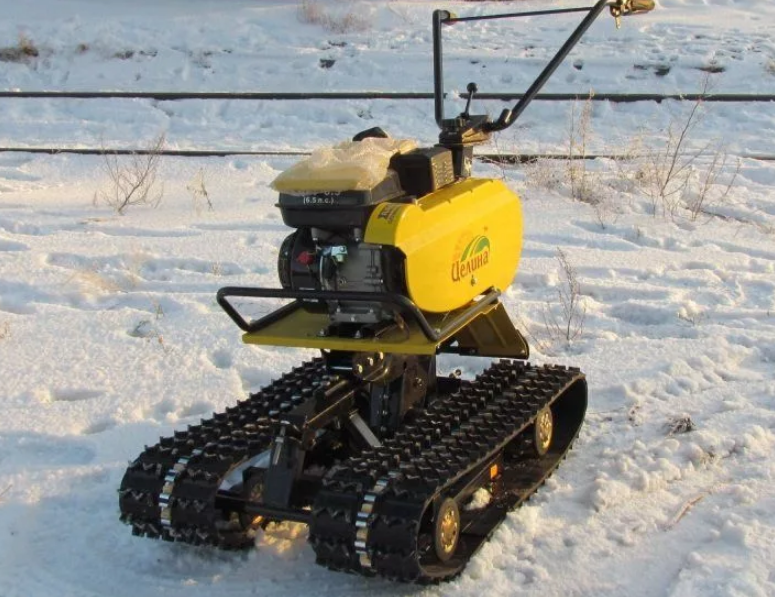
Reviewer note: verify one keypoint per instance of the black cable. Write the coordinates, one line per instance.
(381, 95)
(502, 158)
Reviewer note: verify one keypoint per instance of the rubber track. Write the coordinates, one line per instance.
(453, 436)
(209, 451)
(439, 446)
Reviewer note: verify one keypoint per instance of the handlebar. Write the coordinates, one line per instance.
(618, 9)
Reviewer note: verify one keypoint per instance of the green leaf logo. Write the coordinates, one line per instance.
(475, 255)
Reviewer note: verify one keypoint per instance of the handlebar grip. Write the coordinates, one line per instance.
(641, 6)
(623, 8)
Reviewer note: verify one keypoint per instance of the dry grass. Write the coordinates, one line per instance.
(340, 17)
(583, 184)
(714, 183)
(146, 329)
(564, 318)
(132, 179)
(680, 424)
(544, 174)
(587, 181)
(684, 510)
(682, 176)
(24, 52)
(199, 194)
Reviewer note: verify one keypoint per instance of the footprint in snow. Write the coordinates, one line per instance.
(249, 240)
(75, 395)
(15, 175)
(98, 427)
(197, 409)
(34, 449)
(14, 161)
(7, 245)
(254, 378)
(143, 233)
(643, 314)
(221, 358)
(164, 408)
(17, 306)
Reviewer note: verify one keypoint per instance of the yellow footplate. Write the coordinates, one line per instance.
(490, 333)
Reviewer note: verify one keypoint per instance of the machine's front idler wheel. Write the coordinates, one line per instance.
(543, 431)
(446, 530)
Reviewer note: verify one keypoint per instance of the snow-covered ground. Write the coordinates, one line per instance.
(110, 335)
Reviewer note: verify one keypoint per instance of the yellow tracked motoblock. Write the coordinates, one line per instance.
(396, 255)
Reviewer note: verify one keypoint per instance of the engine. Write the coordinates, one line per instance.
(412, 233)
(318, 259)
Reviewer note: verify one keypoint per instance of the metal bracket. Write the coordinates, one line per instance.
(400, 304)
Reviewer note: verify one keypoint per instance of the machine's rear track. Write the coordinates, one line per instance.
(373, 512)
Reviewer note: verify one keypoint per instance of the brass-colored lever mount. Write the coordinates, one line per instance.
(623, 8)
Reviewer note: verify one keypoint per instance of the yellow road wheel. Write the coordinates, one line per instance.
(446, 531)
(544, 431)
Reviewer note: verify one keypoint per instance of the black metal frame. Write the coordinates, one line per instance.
(233, 503)
(401, 304)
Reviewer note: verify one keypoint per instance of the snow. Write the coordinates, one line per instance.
(110, 335)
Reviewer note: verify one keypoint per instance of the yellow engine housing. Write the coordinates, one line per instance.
(458, 241)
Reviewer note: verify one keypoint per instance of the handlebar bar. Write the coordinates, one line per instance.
(618, 8)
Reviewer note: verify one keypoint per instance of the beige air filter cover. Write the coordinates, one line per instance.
(348, 166)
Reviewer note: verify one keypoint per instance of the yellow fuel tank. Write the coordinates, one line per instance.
(458, 241)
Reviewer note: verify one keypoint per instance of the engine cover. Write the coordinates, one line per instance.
(457, 241)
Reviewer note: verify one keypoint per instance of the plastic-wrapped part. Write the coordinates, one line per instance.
(348, 166)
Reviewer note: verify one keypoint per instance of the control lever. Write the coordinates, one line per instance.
(471, 88)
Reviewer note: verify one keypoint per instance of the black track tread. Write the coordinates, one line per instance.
(441, 444)
(226, 439)
(455, 434)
